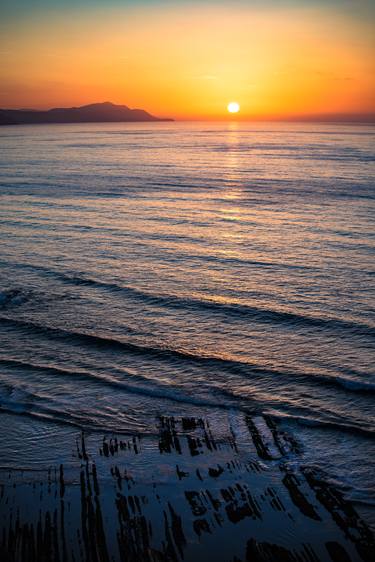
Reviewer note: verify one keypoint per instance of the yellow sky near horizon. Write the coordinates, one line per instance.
(190, 62)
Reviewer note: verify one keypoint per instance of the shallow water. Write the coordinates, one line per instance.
(163, 268)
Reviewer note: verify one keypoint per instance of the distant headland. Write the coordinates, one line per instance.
(93, 113)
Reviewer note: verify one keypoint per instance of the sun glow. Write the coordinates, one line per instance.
(233, 107)
(298, 60)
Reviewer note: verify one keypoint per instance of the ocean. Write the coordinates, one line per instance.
(178, 268)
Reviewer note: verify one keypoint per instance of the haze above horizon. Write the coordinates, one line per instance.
(189, 60)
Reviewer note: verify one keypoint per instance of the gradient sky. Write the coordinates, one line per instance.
(188, 59)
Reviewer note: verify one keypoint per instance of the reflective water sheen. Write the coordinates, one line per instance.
(162, 268)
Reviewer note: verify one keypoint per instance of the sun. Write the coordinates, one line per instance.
(233, 107)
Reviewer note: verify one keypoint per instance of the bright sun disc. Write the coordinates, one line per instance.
(233, 107)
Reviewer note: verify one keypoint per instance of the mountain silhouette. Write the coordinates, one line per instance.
(93, 113)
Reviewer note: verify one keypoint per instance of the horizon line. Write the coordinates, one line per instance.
(339, 117)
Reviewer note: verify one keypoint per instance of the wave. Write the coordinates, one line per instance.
(255, 314)
(157, 390)
(324, 424)
(355, 385)
(176, 355)
(259, 315)
(46, 415)
(99, 341)
(21, 402)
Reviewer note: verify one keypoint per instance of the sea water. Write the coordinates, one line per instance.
(170, 268)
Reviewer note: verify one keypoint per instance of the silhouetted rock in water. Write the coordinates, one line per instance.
(268, 552)
(337, 552)
(93, 113)
(174, 497)
(291, 482)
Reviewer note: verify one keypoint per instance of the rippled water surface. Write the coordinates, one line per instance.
(168, 267)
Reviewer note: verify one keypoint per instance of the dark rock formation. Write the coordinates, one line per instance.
(93, 113)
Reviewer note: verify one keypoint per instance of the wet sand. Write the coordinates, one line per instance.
(184, 493)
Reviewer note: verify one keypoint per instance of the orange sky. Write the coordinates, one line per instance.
(189, 59)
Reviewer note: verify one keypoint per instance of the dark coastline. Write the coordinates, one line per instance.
(94, 113)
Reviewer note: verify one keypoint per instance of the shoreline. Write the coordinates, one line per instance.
(184, 495)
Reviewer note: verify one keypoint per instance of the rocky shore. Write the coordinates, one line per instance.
(182, 494)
